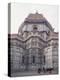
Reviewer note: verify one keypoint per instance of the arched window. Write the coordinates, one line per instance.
(44, 59)
(23, 59)
(35, 27)
(33, 59)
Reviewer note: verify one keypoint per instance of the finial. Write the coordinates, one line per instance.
(36, 11)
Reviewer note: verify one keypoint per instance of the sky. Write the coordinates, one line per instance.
(19, 11)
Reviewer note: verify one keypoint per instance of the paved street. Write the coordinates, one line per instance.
(29, 73)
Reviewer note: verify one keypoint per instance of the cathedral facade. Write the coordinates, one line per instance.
(34, 49)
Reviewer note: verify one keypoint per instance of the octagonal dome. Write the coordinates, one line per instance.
(34, 19)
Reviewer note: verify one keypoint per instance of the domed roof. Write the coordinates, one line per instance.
(35, 19)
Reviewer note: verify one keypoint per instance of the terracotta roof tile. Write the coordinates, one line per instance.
(37, 18)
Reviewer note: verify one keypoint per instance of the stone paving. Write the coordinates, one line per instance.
(33, 73)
